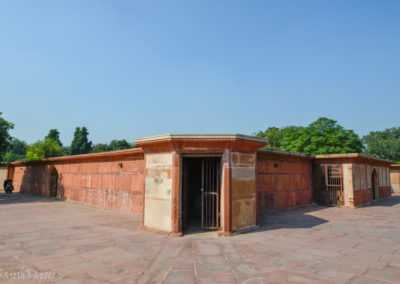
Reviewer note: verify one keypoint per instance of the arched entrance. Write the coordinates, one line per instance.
(53, 183)
(375, 185)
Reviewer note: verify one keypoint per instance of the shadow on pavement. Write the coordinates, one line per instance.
(386, 202)
(19, 197)
(294, 218)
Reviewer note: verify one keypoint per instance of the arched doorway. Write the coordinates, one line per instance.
(53, 183)
(375, 185)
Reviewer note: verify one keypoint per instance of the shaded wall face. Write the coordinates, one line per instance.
(158, 197)
(282, 182)
(362, 182)
(3, 175)
(384, 182)
(114, 184)
(395, 180)
(243, 168)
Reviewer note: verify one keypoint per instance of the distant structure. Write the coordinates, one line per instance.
(220, 182)
(395, 178)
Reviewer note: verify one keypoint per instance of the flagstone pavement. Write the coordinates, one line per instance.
(43, 240)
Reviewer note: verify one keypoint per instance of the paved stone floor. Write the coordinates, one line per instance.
(45, 240)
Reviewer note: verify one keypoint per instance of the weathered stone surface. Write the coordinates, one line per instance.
(158, 192)
(282, 181)
(113, 183)
(243, 190)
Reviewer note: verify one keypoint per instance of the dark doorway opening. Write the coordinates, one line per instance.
(328, 184)
(201, 179)
(53, 183)
(375, 185)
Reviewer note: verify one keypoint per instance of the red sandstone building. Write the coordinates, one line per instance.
(395, 178)
(215, 182)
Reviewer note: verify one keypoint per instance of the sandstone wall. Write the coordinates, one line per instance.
(115, 182)
(362, 182)
(243, 190)
(282, 181)
(3, 176)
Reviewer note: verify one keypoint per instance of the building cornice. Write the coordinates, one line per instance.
(200, 137)
(86, 157)
(351, 155)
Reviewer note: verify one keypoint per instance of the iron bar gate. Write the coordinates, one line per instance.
(210, 187)
(331, 190)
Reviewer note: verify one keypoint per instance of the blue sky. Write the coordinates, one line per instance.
(127, 69)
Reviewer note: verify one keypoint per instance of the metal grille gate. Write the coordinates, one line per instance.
(210, 188)
(332, 189)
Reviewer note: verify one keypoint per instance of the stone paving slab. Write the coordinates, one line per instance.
(43, 240)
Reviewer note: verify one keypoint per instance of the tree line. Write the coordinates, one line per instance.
(326, 136)
(13, 149)
(323, 136)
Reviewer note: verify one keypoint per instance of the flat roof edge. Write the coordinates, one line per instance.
(351, 155)
(296, 154)
(201, 137)
(88, 157)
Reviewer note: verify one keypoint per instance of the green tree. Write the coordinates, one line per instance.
(17, 146)
(46, 148)
(16, 150)
(81, 144)
(275, 135)
(5, 137)
(120, 145)
(12, 157)
(324, 136)
(383, 144)
(66, 150)
(113, 146)
(55, 135)
(100, 147)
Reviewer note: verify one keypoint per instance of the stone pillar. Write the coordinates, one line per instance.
(176, 195)
(158, 192)
(348, 185)
(226, 195)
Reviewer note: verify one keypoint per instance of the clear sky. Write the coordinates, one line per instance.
(127, 69)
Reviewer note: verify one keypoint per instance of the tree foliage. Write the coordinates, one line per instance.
(55, 135)
(100, 147)
(12, 157)
(5, 137)
(383, 144)
(46, 148)
(16, 150)
(113, 146)
(81, 144)
(324, 136)
(66, 150)
(275, 135)
(120, 145)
